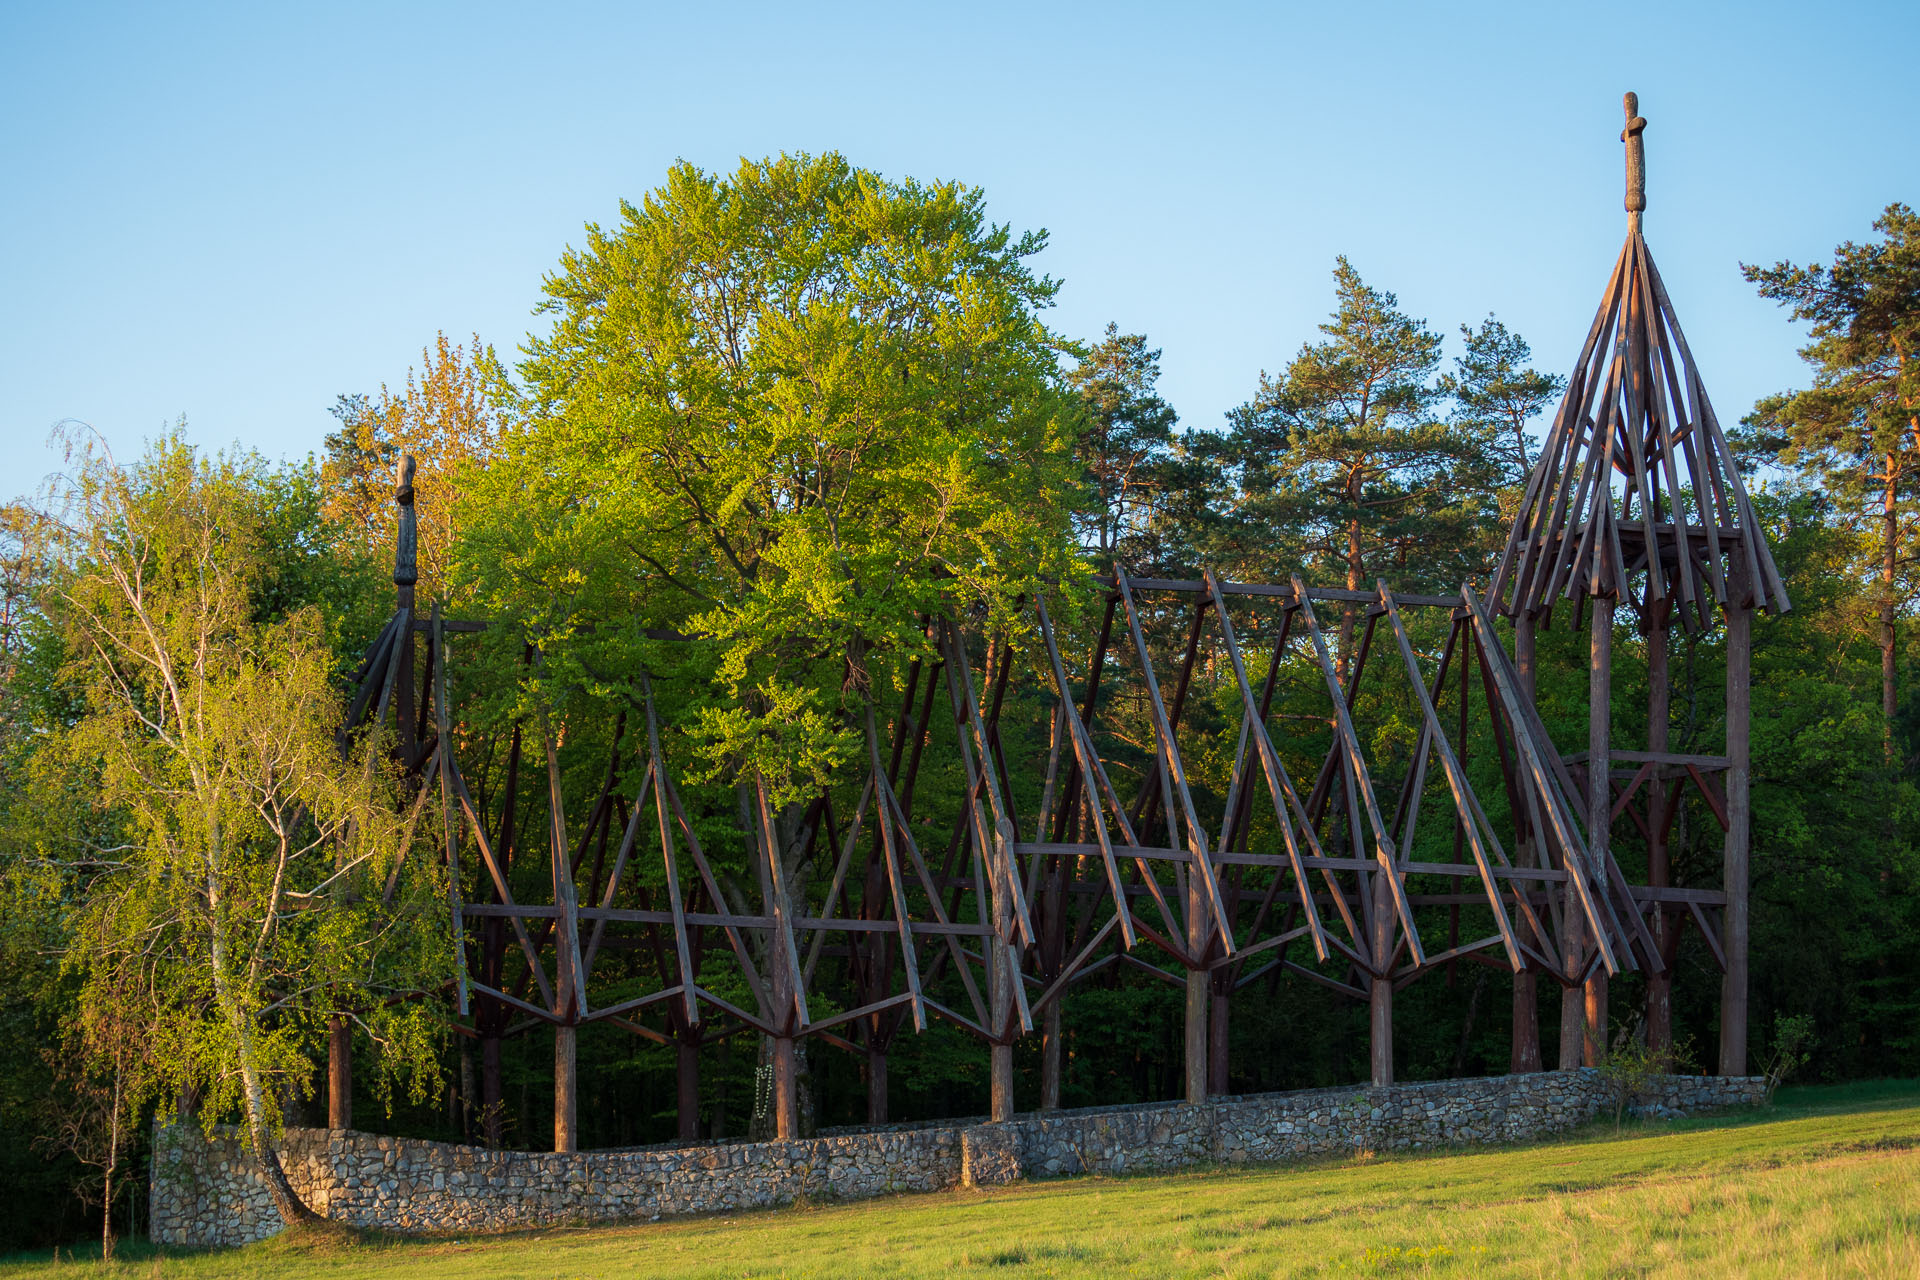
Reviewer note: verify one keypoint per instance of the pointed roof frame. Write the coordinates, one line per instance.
(1636, 408)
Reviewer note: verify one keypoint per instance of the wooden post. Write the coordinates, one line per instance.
(491, 1104)
(1002, 1082)
(1217, 1039)
(876, 1084)
(1000, 977)
(687, 1088)
(1599, 804)
(1380, 987)
(786, 1110)
(1199, 991)
(1526, 984)
(566, 1092)
(339, 1074)
(405, 573)
(1052, 1057)
(1733, 934)
(1659, 864)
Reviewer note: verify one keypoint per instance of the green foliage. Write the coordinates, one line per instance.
(1498, 395)
(1126, 448)
(792, 411)
(1793, 1039)
(208, 861)
(1346, 453)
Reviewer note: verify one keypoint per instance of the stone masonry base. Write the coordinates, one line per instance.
(207, 1191)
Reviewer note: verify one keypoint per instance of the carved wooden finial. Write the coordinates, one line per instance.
(1636, 159)
(405, 570)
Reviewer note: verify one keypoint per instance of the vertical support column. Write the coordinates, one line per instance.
(1052, 1056)
(1000, 979)
(1526, 984)
(1380, 987)
(1199, 989)
(339, 1074)
(405, 573)
(1659, 864)
(1599, 805)
(785, 1082)
(1733, 933)
(491, 1104)
(876, 1081)
(1217, 1036)
(566, 1092)
(786, 1096)
(687, 1088)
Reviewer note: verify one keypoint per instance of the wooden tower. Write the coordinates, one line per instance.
(1637, 501)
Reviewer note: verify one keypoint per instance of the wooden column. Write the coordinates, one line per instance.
(1199, 991)
(491, 1105)
(1217, 1039)
(1052, 1057)
(1380, 987)
(687, 1088)
(786, 1098)
(1002, 1082)
(1733, 935)
(339, 1074)
(1599, 805)
(1526, 984)
(566, 1092)
(876, 1084)
(1659, 865)
(405, 573)
(1000, 976)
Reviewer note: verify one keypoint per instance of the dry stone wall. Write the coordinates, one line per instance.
(206, 1191)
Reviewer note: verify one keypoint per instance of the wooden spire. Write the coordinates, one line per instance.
(1636, 496)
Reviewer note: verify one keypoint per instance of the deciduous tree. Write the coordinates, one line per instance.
(225, 815)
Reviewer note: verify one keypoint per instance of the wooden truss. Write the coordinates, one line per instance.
(1307, 863)
(1309, 855)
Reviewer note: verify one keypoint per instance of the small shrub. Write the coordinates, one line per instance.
(1793, 1036)
(1630, 1071)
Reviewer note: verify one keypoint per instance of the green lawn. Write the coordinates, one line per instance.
(1825, 1183)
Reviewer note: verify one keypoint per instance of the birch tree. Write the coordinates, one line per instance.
(233, 889)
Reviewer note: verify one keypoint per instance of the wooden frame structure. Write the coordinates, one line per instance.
(1304, 862)
(1638, 499)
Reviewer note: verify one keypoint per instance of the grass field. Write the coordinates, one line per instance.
(1826, 1183)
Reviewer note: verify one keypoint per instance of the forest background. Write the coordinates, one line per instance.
(1388, 447)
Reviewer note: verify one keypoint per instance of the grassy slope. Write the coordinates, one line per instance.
(1827, 1183)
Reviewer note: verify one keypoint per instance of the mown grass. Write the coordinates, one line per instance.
(1826, 1183)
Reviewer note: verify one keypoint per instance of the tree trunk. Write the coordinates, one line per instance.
(1356, 581)
(339, 1074)
(285, 1198)
(253, 1093)
(1889, 563)
(113, 1165)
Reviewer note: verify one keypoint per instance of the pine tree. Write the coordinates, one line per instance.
(1856, 430)
(1348, 449)
(1126, 446)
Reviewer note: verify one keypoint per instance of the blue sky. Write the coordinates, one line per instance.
(236, 213)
